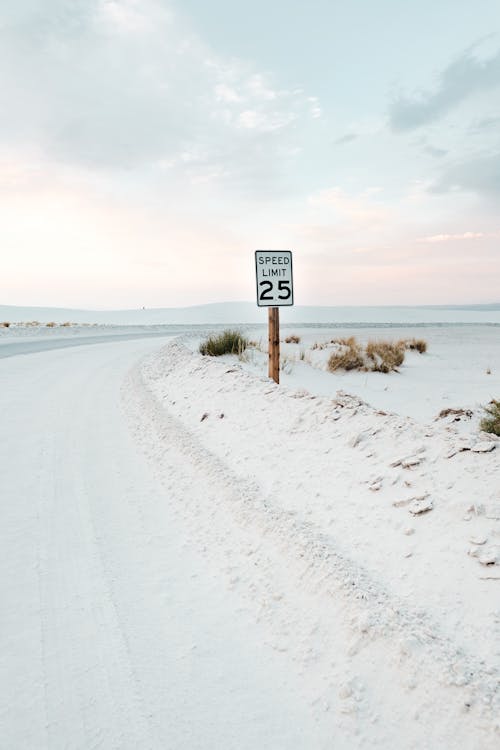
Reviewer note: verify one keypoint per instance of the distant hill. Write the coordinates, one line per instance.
(249, 313)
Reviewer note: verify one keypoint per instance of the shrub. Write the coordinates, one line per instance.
(385, 356)
(418, 345)
(227, 342)
(51, 324)
(6, 324)
(293, 339)
(491, 422)
(350, 357)
(350, 341)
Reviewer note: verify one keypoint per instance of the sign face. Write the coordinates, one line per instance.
(274, 278)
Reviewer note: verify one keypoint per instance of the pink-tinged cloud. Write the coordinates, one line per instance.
(463, 236)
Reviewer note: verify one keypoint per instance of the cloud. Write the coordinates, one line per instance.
(467, 75)
(438, 238)
(485, 124)
(480, 174)
(125, 84)
(347, 138)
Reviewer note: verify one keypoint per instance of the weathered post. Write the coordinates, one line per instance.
(274, 343)
(273, 270)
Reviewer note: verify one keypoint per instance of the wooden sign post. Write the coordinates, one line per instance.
(273, 270)
(274, 343)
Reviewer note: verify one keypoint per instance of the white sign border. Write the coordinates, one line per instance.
(275, 304)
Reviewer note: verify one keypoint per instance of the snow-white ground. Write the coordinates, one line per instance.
(198, 558)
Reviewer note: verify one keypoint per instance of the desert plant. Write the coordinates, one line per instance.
(348, 357)
(349, 341)
(227, 342)
(385, 356)
(419, 345)
(293, 339)
(491, 422)
(6, 324)
(51, 324)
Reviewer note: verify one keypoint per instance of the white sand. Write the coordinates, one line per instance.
(198, 558)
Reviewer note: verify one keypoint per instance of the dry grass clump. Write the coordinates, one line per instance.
(51, 324)
(376, 356)
(385, 356)
(349, 357)
(344, 341)
(491, 422)
(418, 345)
(5, 324)
(293, 339)
(227, 342)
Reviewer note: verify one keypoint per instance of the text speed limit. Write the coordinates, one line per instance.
(274, 278)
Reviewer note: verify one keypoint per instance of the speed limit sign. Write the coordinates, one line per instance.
(274, 278)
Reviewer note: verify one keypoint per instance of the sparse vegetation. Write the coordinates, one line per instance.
(227, 342)
(457, 414)
(6, 324)
(51, 324)
(491, 422)
(293, 339)
(376, 356)
(419, 345)
(385, 356)
(348, 357)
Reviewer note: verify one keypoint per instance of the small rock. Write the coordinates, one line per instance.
(490, 556)
(420, 505)
(408, 500)
(408, 463)
(409, 531)
(483, 447)
(204, 416)
(478, 540)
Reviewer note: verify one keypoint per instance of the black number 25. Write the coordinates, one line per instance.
(283, 286)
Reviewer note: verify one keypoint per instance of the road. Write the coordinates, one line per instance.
(114, 632)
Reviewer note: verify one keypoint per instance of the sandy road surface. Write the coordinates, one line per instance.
(114, 632)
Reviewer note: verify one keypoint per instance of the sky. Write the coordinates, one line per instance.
(148, 147)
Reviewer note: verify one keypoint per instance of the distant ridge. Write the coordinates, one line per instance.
(248, 313)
